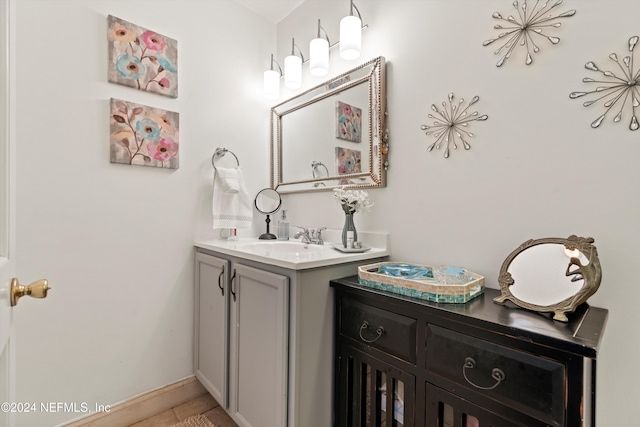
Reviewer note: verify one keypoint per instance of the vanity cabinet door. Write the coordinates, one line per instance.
(259, 307)
(212, 325)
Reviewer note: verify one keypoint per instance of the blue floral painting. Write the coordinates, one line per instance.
(142, 135)
(142, 59)
(348, 122)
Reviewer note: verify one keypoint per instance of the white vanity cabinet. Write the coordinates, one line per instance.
(267, 356)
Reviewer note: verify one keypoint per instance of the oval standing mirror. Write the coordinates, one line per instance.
(267, 202)
(551, 275)
(332, 134)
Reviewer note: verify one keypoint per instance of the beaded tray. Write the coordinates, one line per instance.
(423, 288)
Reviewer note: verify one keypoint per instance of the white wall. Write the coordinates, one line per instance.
(536, 168)
(116, 241)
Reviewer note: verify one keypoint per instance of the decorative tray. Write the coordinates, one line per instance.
(423, 282)
(339, 247)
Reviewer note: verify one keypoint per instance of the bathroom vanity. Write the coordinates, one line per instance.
(401, 361)
(263, 344)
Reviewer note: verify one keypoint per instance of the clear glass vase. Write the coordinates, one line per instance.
(348, 226)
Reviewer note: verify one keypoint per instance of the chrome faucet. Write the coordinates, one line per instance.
(310, 236)
(304, 233)
(316, 236)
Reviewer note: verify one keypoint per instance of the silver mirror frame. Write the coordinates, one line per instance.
(378, 134)
(591, 273)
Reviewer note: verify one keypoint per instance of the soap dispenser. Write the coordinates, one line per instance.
(283, 227)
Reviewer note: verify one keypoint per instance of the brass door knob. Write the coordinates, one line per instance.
(37, 289)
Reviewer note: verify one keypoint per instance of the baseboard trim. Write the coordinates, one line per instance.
(145, 405)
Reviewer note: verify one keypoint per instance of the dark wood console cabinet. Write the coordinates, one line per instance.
(403, 362)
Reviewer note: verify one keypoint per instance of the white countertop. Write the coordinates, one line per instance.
(296, 256)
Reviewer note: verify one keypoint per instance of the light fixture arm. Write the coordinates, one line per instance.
(353, 6)
(276, 62)
(294, 46)
(322, 30)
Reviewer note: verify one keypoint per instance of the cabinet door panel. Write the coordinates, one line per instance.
(260, 316)
(371, 393)
(211, 326)
(447, 410)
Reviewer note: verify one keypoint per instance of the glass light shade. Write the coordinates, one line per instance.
(293, 72)
(350, 37)
(319, 57)
(271, 84)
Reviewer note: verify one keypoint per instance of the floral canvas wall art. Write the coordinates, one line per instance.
(348, 122)
(337, 82)
(142, 59)
(348, 162)
(142, 135)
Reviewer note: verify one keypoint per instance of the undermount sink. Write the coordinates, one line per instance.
(275, 247)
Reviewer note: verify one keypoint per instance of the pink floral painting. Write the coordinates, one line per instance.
(142, 59)
(348, 122)
(142, 135)
(348, 162)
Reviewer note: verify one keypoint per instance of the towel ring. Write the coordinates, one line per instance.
(221, 152)
(314, 165)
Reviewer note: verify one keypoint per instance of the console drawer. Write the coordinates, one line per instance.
(529, 383)
(387, 331)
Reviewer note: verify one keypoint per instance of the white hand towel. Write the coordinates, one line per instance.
(231, 210)
(228, 179)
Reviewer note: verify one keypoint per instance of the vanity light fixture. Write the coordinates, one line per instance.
(351, 35)
(350, 46)
(319, 53)
(272, 81)
(293, 67)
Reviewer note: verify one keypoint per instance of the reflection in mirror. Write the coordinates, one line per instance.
(539, 275)
(551, 275)
(268, 202)
(338, 128)
(319, 170)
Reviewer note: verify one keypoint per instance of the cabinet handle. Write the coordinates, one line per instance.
(379, 331)
(233, 277)
(220, 280)
(496, 374)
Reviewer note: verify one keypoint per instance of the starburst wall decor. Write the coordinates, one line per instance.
(522, 28)
(448, 124)
(615, 88)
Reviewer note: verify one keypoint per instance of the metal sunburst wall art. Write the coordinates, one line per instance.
(524, 26)
(615, 88)
(448, 123)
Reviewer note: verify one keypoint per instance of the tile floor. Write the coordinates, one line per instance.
(204, 405)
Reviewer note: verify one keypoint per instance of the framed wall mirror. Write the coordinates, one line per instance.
(333, 134)
(551, 275)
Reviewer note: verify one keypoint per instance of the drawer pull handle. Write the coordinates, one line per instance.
(233, 277)
(379, 331)
(220, 280)
(496, 374)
